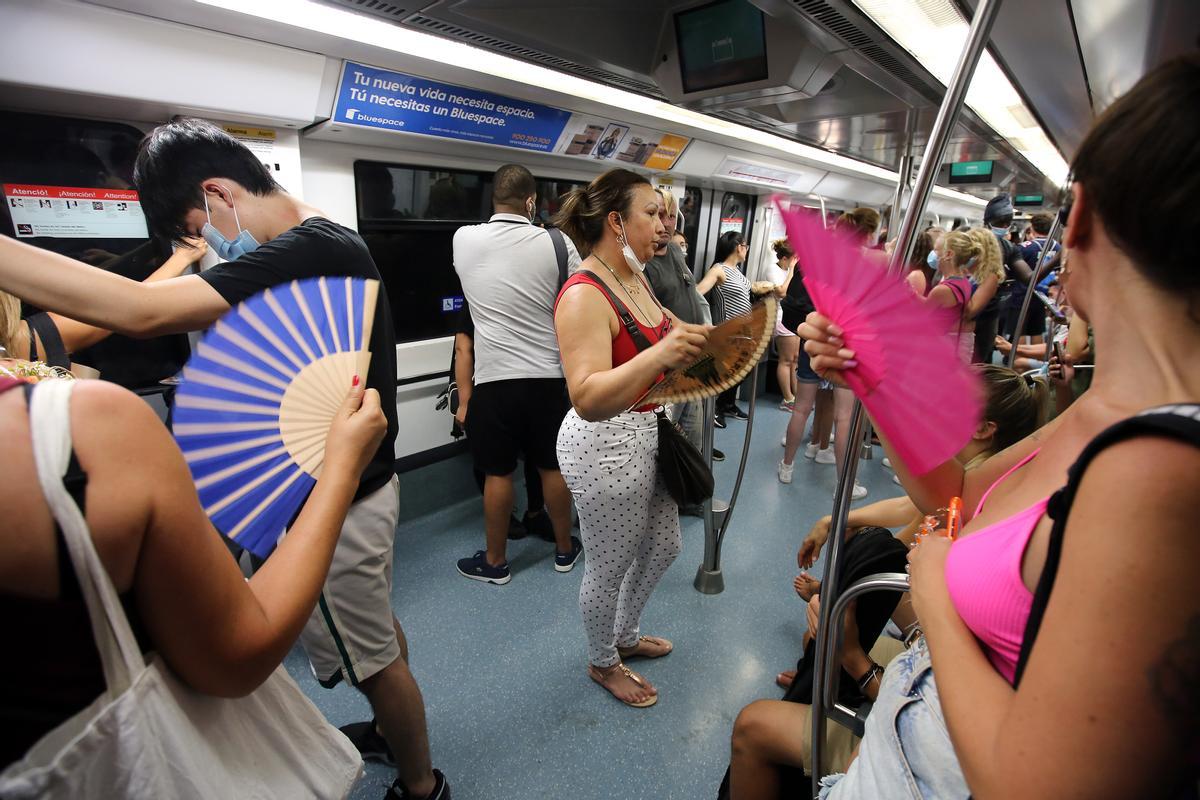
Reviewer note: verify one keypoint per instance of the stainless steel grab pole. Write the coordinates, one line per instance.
(737, 484)
(1043, 258)
(939, 138)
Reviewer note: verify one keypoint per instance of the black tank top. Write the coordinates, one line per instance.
(52, 668)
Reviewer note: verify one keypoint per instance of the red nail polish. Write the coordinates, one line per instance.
(355, 381)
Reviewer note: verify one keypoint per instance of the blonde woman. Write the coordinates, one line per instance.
(958, 254)
(34, 338)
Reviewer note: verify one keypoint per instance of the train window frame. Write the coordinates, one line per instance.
(429, 322)
(107, 146)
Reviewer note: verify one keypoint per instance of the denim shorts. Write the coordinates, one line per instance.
(905, 752)
(804, 370)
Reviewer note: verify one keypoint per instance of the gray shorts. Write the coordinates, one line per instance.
(350, 634)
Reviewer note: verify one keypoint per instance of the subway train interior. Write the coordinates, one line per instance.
(392, 120)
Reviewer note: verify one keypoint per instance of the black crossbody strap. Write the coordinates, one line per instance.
(1177, 422)
(627, 319)
(45, 329)
(560, 254)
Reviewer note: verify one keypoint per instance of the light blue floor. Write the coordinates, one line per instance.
(511, 710)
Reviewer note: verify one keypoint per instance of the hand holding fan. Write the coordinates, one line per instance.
(920, 394)
(733, 348)
(257, 398)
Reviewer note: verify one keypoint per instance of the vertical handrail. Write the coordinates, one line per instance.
(737, 484)
(935, 150)
(1043, 258)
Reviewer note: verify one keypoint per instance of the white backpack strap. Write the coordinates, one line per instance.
(50, 429)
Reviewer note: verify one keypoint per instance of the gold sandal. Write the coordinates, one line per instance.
(594, 671)
(632, 652)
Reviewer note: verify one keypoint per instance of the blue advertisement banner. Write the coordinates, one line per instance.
(378, 98)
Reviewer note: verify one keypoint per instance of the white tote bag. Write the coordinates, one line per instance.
(149, 735)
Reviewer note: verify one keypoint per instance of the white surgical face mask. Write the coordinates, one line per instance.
(630, 257)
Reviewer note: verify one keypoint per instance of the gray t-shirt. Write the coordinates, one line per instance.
(675, 287)
(509, 275)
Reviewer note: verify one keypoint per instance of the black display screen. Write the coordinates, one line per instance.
(721, 44)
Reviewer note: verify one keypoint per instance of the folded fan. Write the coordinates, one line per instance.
(253, 410)
(919, 393)
(733, 348)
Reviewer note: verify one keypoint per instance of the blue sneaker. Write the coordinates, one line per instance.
(565, 562)
(478, 569)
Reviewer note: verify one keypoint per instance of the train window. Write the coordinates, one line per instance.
(737, 212)
(68, 188)
(690, 208)
(407, 215)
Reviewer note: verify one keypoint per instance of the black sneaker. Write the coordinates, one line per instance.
(370, 743)
(719, 420)
(441, 789)
(538, 523)
(565, 562)
(736, 413)
(718, 455)
(478, 569)
(516, 530)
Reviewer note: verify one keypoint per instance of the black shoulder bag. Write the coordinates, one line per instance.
(688, 478)
(1176, 422)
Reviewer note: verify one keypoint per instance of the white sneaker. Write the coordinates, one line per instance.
(896, 480)
(859, 492)
(825, 456)
(785, 472)
(887, 462)
(810, 450)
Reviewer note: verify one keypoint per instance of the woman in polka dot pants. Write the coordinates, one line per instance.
(616, 340)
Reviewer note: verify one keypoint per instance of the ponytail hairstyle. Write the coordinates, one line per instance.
(963, 247)
(991, 261)
(582, 211)
(783, 248)
(1016, 404)
(727, 245)
(859, 223)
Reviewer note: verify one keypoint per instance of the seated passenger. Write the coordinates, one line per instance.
(187, 601)
(607, 448)
(51, 338)
(1011, 610)
(772, 739)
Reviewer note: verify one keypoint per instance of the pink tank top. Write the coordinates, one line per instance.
(983, 574)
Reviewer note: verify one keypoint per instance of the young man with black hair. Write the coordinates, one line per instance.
(998, 314)
(510, 276)
(195, 180)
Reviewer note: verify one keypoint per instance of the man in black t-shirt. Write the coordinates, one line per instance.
(194, 179)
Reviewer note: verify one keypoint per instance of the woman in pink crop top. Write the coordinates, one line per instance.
(608, 453)
(1106, 705)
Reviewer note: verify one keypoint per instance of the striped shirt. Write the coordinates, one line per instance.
(735, 292)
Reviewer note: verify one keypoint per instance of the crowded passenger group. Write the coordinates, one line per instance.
(1048, 650)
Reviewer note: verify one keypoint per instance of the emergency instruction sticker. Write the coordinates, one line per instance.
(72, 212)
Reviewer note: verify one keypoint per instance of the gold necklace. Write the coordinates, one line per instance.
(628, 293)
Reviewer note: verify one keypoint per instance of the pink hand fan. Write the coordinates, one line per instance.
(919, 393)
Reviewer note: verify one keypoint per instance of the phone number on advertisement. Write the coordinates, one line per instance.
(524, 137)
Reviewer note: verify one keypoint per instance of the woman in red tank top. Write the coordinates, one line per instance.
(608, 453)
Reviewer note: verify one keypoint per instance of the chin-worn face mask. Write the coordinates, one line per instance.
(630, 257)
(226, 249)
(999, 231)
(932, 260)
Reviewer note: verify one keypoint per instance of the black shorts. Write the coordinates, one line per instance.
(507, 419)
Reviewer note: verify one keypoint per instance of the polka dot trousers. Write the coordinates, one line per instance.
(628, 521)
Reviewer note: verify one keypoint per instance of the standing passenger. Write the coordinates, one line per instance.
(678, 291)
(509, 275)
(195, 179)
(734, 292)
(608, 453)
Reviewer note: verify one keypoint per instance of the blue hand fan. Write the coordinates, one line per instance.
(253, 410)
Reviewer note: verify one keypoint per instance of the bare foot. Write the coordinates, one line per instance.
(624, 684)
(785, 678)
(806, 586)
(647, 647)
